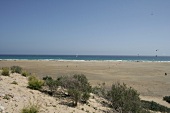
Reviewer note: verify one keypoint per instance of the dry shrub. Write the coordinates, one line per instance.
(124, 99)
(31, 108)
(16, 69)
(5, 71)
(35, 83)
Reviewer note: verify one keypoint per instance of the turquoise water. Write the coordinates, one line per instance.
(86, 57)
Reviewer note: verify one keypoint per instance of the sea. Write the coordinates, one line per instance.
(88, 58)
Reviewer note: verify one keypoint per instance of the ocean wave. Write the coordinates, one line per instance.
(82, 58)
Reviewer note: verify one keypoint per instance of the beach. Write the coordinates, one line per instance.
(148, 78)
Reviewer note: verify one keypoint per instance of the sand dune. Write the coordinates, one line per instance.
(14, 97)
(148, 78)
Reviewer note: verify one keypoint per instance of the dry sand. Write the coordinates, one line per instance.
(15, 97)
(148, 78)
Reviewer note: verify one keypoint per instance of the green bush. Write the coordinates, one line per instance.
(32, 108)
(85, 97)
(76, 95)
(47, 78)
(124, 99)
(25, 74)
(84, 84)
(5, 71)
(16, 69)
(167, 99)
(154, 106)
(35, 83)
(78, 87)
(52, 84)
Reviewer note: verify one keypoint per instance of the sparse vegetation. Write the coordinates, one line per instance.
(7, 97)
(35, 83)
(14, 82)
(84, 84)
(5, 71)
(85, 97)
(47, 78)
(52, 84)
(25, 74)
(75, 94)
(120, 97)
(78, 87)
(16, 69)
(124, 99)
(154, 106)
(167, 99)
(31, 108)
(100, 90)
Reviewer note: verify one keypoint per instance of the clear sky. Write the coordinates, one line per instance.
(88, 27)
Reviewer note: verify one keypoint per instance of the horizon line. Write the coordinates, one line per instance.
(82, 55)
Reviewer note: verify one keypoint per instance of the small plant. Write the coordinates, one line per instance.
(16, 69)
(7, 97)
(32, 108)
(5, 71)
(87, 111)
(35, 83)
(25, 74)
(14, 82)
(167, 99)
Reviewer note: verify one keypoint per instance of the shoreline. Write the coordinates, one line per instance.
(62, 60)
(83, 58)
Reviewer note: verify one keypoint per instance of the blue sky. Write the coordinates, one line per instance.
(88, 27)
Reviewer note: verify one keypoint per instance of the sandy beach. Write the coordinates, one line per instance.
(148, 78)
